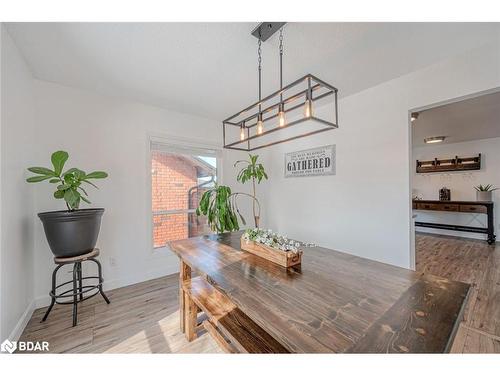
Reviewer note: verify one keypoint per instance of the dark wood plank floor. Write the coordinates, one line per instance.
(474, 262)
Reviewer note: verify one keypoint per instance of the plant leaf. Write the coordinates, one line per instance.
(77, 204)
(216, 205)
(85, 199)
(59, 194)
(38, 178)
(84, 192)
(90, 183)
(58, 159)
(96, 174)
(54, 181)
(79, 174)
(41, 170)
(63, 187)
(69, 171)
(72, 198)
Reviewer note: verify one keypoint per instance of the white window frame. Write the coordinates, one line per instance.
(173, 142)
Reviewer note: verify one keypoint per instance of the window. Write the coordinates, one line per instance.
(179, 177)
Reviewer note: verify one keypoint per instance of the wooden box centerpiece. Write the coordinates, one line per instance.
(270, 246)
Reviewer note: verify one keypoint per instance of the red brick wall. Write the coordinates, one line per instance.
(172, 177)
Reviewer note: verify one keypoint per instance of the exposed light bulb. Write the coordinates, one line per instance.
(260, 125)
(308, 108)
(281, 117)
(242, 132)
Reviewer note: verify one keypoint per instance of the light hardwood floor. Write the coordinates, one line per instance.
(474, 262)
(143, 318)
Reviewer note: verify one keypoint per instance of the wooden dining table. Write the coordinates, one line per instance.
(333, 302)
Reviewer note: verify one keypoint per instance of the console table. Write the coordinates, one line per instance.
(462, 207)
(331, 302)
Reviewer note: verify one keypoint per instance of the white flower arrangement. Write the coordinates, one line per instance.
(274, 240)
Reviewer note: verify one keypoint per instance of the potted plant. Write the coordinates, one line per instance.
(73, 231)
(252, 171)
(216, 205)
(484, 192)
(220, 205)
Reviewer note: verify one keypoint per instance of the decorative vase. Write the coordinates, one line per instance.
(484, 196)
(72, 233)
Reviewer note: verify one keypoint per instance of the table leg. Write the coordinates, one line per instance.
(191, 318)
(184, 274)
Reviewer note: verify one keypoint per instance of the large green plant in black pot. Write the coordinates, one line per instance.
(73, 231)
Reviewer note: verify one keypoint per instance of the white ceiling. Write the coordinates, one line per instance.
(467, 120)
(209, 69)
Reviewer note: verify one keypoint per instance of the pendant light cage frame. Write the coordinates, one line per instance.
(290, 98)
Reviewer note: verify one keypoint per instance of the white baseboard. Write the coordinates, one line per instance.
(44, 301)
(23, 321)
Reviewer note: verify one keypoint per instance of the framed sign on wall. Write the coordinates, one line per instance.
(319, 161)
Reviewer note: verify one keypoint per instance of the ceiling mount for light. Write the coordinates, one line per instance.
(295, 102)
(265, 30)
(439, 139)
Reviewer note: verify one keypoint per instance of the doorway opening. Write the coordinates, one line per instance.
(454, 174)
(455, 151)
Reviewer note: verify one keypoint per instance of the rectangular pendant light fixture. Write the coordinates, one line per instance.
(305, 107)
(309, 103)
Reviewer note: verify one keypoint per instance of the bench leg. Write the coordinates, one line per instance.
(184, 274)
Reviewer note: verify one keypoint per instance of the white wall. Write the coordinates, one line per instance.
(104, 133)
(461, 184)
(17, 198)
(365, 208)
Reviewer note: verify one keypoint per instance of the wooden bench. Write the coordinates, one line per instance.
(233, 331)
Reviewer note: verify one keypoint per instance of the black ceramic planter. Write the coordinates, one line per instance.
(72, 233)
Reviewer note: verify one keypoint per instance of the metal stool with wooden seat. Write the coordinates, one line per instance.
(78, 291)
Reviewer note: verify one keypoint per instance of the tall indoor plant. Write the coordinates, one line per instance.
(73, 231)
(220, 204)
(252, 171)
